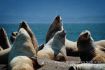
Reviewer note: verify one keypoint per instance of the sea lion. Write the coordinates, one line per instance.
(100, 45)
(87, 50)
(4, 41)
(5, 46)
(55, 46)
(23, 49)
(57, 25)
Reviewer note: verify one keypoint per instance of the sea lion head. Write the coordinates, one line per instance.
(4, 41)
(57, 25)
(85, 41)
(25, 25)
(13, 36)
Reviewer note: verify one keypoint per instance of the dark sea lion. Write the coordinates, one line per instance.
(5, 46)
(55, 46)
(4, 41)
(23, 49)
(87, 50)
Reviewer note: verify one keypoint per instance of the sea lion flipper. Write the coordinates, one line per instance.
(63, 52)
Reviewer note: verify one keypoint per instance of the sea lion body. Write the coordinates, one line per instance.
(87, 50)
(22, 51)
(54, 47)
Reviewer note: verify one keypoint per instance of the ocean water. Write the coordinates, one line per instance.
(72, 30)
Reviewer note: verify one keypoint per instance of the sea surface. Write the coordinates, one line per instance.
(72, 30)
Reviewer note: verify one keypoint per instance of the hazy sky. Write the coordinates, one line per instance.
(44, 11)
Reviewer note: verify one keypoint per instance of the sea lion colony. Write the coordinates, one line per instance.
(24, 53)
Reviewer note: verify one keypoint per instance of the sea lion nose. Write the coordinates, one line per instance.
(58, 18)
(2, 31)
(22, 24)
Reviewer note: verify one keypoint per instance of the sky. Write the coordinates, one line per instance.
(44, 11)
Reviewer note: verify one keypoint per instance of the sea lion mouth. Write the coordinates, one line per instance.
(22, 25)
(58, 18)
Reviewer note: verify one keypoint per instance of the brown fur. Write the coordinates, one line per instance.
(4, 46)
(4, 41)
(54, 27)
(87, 50)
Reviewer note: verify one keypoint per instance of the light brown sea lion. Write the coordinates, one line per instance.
(4, 41)
(23, 49)
(55, 46)
(27, 28)
(100, 45)
(87, 50)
